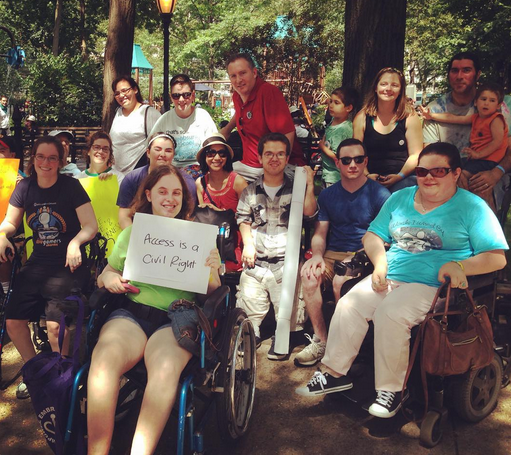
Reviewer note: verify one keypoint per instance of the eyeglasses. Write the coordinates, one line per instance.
(123, 91)
(185, 95)
(98, 148)
(346, 160)
(437, 172)
(213, 153)
(50, 159)
(271, 156)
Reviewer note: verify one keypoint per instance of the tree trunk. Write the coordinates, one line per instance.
(56, 28)
(375, 38)
(118, 52)
(83, 43)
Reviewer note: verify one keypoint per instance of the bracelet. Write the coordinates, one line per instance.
(501, 168)
(460, 264)
(401, 175)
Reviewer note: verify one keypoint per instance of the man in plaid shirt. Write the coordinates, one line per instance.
(263, 218)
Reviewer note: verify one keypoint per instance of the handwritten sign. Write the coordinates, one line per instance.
(8, 173)
(170, 253)
(103, 196)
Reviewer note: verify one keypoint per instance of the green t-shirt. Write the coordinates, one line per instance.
(334, 135)
(150, 294)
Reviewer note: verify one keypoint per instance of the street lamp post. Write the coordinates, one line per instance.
(166, 8)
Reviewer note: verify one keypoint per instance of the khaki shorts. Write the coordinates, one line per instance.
(330, 257)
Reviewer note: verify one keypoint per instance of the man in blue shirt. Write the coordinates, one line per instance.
(345, 211)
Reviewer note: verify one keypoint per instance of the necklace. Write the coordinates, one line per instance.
(423, 209)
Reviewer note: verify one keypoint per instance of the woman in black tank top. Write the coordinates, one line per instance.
(390, 130)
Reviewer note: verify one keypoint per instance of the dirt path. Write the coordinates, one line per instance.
(284, 423)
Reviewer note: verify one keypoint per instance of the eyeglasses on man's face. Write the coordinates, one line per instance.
(346, 160)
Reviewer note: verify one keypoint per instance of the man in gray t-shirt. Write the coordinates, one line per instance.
(463, 72)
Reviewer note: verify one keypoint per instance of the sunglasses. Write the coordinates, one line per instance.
(346, 160)
(185, 95)
(437, 172)
(213, 153)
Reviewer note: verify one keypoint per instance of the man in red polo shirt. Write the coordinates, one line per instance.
(260, 108)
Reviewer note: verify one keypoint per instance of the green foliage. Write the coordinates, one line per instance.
(66, 91)
(217, 113)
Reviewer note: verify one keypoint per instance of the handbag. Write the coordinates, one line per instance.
(207, 215)
(448, 351)
(187, 321)
(49, 377)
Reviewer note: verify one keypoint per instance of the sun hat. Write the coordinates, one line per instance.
(216, 138)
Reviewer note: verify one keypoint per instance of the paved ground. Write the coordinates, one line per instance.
(284, 423)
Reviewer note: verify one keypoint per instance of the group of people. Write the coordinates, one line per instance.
(380, 187)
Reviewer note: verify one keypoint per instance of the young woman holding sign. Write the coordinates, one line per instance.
(136, 331)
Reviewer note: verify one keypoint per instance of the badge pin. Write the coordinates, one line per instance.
(249, 115)
(402, 142)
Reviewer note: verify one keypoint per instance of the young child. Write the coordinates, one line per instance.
(488, 137)
(342, 103)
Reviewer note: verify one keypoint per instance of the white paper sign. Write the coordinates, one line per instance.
(169, 252)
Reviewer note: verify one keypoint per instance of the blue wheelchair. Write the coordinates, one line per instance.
(223, 376)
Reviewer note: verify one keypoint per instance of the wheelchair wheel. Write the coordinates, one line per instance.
(431, 429)
(128, 397)
(475, 397)
(237, 376)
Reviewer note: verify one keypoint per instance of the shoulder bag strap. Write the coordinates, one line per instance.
(205, 188)
(145, 121)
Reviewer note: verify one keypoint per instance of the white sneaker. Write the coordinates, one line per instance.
(312, 353)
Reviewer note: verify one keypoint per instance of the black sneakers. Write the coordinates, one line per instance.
(323, 383)
(387, 404)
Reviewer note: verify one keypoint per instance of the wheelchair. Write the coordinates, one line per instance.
(223, 375)
(473, 395)
(95, 261)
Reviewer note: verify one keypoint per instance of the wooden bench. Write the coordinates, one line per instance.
(80, 135)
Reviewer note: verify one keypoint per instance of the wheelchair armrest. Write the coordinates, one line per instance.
(479, 281)
(214, 301)
(98, 298)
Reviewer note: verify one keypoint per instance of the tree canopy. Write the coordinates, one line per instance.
(203, 32)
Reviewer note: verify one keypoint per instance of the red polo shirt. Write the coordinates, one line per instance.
(265, 111)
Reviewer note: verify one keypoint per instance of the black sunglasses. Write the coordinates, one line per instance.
(185, 95)
(213, 153)
(437, 172)
(346, 160)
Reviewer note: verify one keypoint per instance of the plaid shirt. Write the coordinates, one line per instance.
(268, 218)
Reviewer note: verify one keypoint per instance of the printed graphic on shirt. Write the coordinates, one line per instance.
(417, 239)
(47, 225)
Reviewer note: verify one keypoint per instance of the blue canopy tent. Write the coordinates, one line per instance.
(140, 65)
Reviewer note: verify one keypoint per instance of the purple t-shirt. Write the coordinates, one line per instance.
(133, 180)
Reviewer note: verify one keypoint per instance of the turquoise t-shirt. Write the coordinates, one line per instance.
(421, 243)
(150, 294)
(334, 135)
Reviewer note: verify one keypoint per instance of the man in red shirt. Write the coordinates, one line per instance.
(260, 108)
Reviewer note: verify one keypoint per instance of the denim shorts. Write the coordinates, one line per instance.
(148, 327)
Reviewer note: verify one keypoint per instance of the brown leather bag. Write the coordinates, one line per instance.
(449, 352)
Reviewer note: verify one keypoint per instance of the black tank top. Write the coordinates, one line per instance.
(387, 152)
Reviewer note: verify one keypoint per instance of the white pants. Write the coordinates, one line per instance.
(258, 288)
(394, 313)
